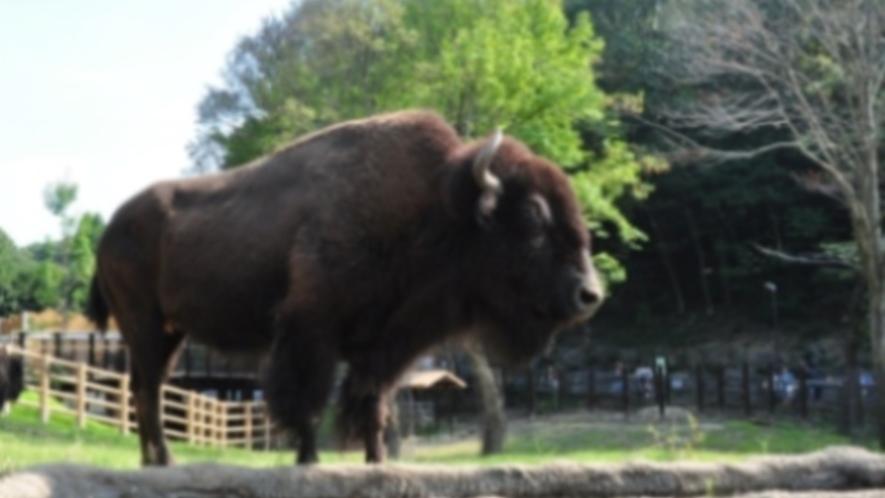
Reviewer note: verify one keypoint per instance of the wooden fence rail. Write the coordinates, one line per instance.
(91, 393)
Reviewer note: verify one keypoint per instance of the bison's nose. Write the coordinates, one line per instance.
(589, 293)
(587, 297)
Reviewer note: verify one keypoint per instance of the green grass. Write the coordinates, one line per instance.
(729, 441)
(24, 441)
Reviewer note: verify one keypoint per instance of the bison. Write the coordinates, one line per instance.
(12, 376)
(368, 243)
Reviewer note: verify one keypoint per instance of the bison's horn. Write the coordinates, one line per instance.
(487, 182)
(485, 179)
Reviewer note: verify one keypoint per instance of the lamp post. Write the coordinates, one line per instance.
(771, 287)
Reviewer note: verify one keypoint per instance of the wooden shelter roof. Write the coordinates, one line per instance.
(430, 379)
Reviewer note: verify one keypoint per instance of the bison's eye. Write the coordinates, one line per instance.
(538, 219)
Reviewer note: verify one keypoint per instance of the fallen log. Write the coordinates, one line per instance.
(844, 472)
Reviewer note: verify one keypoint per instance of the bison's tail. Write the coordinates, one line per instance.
(96, 306)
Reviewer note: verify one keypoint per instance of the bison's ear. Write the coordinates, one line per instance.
(489, 184)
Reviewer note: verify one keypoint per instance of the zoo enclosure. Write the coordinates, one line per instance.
(744, 389)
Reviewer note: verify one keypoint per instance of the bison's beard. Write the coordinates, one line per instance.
(516, 345)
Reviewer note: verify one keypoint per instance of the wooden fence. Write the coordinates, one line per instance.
(197, 367)
(91, 393)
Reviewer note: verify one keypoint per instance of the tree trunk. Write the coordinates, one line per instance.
(494, 425)
(877, 333)
(702, 262)
(392, 437)
(668, 265)
(851, 389)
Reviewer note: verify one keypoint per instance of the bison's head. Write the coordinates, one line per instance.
(530, 265)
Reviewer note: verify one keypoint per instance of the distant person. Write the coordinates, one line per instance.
(785, 385)
(645, 377)
(617, 385)
(865, 379)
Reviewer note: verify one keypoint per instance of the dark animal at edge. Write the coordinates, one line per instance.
(12, 377)
(368, 242)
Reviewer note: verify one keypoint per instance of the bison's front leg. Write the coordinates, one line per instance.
(299, 381)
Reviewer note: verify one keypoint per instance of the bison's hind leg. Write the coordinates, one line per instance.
(298, 383)
(151, 351)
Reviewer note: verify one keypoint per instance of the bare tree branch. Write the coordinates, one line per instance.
(820, 260)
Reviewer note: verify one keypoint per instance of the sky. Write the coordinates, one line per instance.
(103, 93)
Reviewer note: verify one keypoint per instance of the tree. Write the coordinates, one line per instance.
(808, 75)
(321, 62)
(58, 198)
(67, 272)
(494, 421)
(630, 31)
(84, 246)
(11, 260)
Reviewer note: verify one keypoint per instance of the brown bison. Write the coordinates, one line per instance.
(368, 243)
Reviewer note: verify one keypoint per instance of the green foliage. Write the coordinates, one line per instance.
(48, 284)
(82, 261)
(59, 196)
(10, 264)
(681, 440)
(631, 37)
(25, 284)
(66, 266)
(512, 64)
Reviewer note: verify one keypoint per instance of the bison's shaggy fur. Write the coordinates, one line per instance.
(366, 243)
(841, 472)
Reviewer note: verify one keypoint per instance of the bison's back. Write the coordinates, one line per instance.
(221, 252)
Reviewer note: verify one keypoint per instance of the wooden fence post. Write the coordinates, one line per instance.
(266, 428)
(211, 414)
(82, 379)
(190, 416)
(745, 388)
(200, 428)
(124, 404)
(247, 424)
(222, 419)
(720, 387)
(46, 363)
